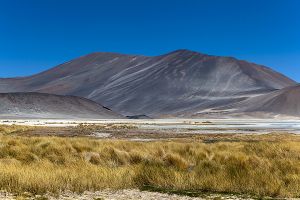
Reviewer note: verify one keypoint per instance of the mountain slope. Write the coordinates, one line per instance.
(179, 82)
(284, 102)
(38, 105)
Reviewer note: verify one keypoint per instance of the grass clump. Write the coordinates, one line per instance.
(53, 164)
(90, 128)
(14, 129)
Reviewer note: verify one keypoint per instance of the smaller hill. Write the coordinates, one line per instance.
(41, 105)
(285, 102)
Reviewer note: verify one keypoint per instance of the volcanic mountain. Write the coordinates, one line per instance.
(284, 102)
(38, 105)
(180, 83)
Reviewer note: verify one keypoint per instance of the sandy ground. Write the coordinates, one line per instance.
(121, 195)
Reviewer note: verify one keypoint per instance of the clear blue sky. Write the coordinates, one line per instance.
(38, 34)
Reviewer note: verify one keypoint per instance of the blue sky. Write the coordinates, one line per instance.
(38, 34)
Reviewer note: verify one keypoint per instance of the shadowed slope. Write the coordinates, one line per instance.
(38, 105)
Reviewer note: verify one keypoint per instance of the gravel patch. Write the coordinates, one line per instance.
(132, 194)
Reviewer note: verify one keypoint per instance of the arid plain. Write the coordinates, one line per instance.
(149, 159)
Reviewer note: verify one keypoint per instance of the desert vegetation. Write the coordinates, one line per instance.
(14, 129)
(85, 129)
(56, 164)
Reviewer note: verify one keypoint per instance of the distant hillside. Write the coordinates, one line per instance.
(37, 105)
(179, 83)
(284, 102)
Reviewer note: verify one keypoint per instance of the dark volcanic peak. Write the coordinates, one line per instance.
(38, 105)
(182, 81)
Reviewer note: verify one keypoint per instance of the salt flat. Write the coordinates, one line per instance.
(192, 125)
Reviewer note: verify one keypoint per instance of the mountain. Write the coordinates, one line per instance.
(179, 83)
(284, 102)
(38, 105)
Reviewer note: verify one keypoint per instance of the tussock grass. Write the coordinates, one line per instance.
(53, 164)
(14, 129)
(83, 128)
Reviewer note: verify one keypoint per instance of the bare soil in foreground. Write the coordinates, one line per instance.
(132, 194)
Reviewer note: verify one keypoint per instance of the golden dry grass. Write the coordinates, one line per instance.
(14, 129)
(53, 164)
(82, 128)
